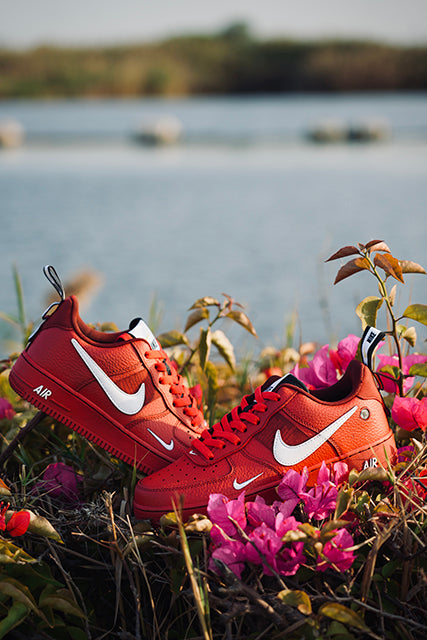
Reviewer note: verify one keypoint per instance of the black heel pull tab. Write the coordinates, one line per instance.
(369, 342)
(54, 279)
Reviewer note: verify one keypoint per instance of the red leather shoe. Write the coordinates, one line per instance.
(281, 426)
(119, 390)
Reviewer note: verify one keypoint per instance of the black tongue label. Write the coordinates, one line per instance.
(289, 378)
(139, 329)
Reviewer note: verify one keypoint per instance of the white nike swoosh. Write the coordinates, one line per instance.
(289, 455)
(241, 485)
(169, 446)
(129, 403)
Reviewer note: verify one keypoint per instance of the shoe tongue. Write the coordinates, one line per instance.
(289, 378)
(139, 329)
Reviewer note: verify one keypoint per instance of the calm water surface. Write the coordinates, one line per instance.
(244, 204)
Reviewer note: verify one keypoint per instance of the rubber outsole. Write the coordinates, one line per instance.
(379, 451)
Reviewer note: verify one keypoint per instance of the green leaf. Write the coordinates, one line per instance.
(416, 312)
(339, 631)
(225, 348)
(372, 474)
(419, 369)
(367, 311)
(42, 527)
(298, 599)
(212, 377)
(172, 338)
(204, 346)
(410, 335)
(11, 554)
(206, 302)
(61, 600)
(339, 612)
(343, 502)
(198, 315)
(242, 319)
(19, 593)
(16, 614)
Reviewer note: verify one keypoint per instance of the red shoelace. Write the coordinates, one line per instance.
(236, 421)
(183, 397)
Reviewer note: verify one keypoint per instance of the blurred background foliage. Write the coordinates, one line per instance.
(231, 61)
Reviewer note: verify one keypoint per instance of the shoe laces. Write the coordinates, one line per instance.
(177, 387)
(235, 422)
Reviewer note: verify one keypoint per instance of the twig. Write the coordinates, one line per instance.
(20, 436)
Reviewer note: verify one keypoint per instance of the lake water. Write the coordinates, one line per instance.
(243, 204)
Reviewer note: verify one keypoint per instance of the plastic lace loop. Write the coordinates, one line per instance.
(235, 422)
(182, 397)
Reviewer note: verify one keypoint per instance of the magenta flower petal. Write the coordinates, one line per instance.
(410, 413)
(233, 554)
(258, 512)
(60, 482)
(336, 553)
(221, 509)
(6, 409)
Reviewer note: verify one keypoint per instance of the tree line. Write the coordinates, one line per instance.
(229, 62)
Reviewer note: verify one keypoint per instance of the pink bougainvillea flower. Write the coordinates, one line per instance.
(221, 509)
(336, 553)
(290, 559)
(61, 482)
(344, 353)
(320, 373)
(264, 543)
(393, 361)
(410, 413)
(258, 512)
(6, 409)
(320, 501)
(290, 489)
(233, 554)
(18, 522)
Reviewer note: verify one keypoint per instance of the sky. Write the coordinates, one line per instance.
(28, 23)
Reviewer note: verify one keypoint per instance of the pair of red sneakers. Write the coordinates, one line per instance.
(121, 391)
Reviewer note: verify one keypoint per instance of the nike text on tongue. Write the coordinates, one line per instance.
(139, 329)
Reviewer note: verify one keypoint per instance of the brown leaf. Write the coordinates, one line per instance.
(411, 267)
(206, 301)
(242, 319)
(377, 245)
(201, 313)
(351, 267)
(390, 264)
(370, 244)
(343, 252)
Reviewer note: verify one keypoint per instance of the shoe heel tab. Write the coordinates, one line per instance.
(51, 275)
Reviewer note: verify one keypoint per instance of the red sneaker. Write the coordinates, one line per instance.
(117, 389)
(280, 426)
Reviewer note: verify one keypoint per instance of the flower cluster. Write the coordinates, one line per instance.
(328, 364)
(270, 536)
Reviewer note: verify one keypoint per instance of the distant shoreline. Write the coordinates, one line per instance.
(229, 63)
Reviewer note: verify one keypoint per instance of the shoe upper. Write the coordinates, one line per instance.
(280, 426)
(121, 373)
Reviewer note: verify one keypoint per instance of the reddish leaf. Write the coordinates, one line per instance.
(377, 245)
(390, 265)
(411, 267)
(18, 523)
(343, 252)
(354, 266)
(371, 243)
